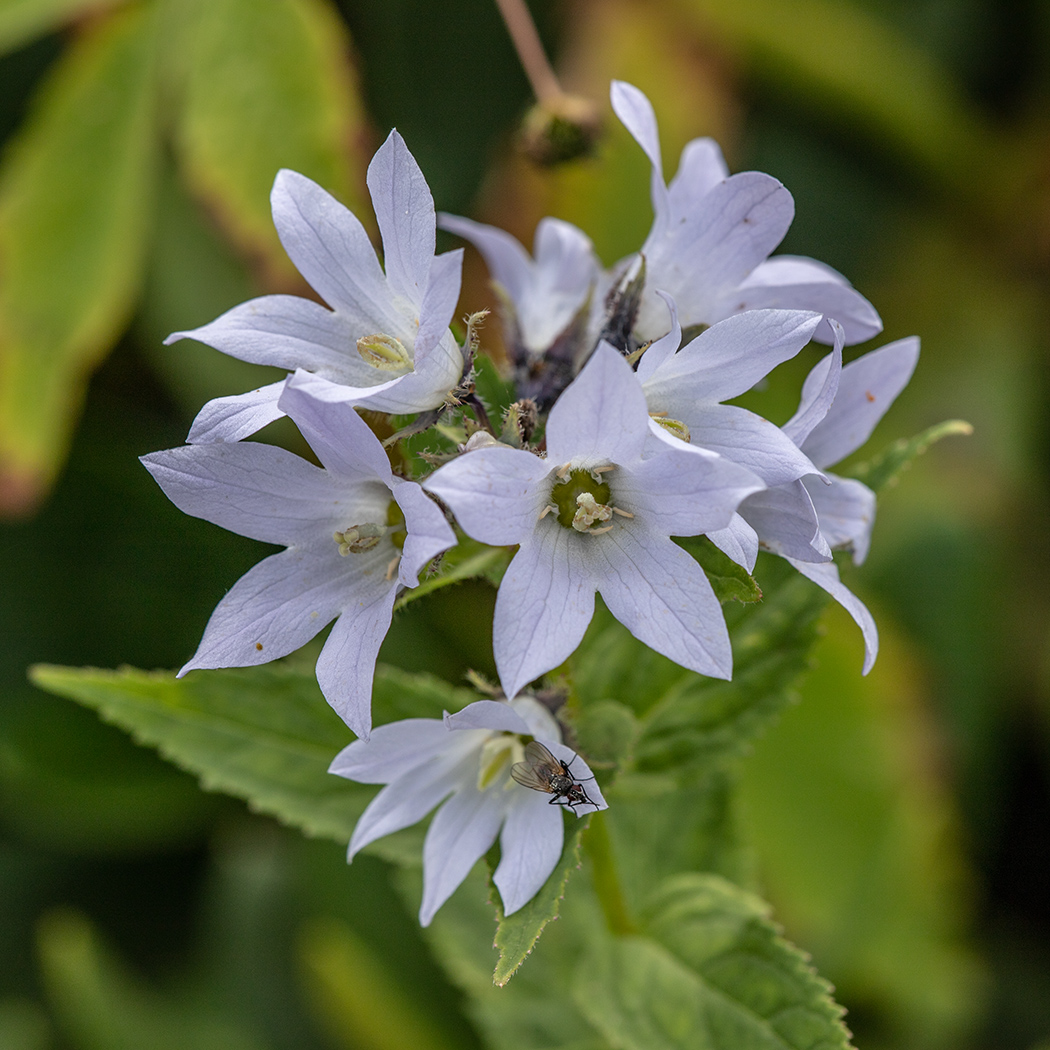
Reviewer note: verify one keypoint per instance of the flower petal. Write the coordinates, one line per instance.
(662, 349)
(797, 283)
(237, 416)
(347, 663)
(404, 210)
(738, 541)
(636, 114)
(786, 522)
(601, 416)
(255, 490)
(729, 358)
(660, 594)
(818, 391)
(497, 494)
(438, 306)
(700, 169)
(530, 845)
(459, 835)
(428, 532)
(341, 439)
(495, 715)
(580, 772)
(284, 331)
(391, 751)
(281, 603)
(867, 388)
(331, 250)
(507, 260)
(827, 577)
(414, 793)
(681, 493)
(846, 511)
(544, 604)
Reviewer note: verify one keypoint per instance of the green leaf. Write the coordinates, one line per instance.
(266, 86)
(465, 561)
(263, 734)
(888, 465)
(517, 934)
(75, 203)
(101, 1006)
(731, 582)
(23, 20)
(699, 721)
(713, 973)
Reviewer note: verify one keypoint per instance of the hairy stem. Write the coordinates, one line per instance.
(527, 43)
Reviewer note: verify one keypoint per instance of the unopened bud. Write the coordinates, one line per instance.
(560, 129)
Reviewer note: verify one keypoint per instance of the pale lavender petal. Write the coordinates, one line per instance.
(680, 493)
(543, 607)
(748, 439)
(439, 304)
(636, 114)
(405, 212)
(786, 522)
(416, 792)
(341, 439)
(391, 751)
(660, 594)
(867, 388)
(729, 358)
(818, 391)
(740, 222)
(237, 416)
(280, 604)
(700, 169)
(497, 494)
(601, 417)
(530, 846)
(331, 250)
(738, 541)
(663, 348)
(827, 577)
(846, 510)
(797, 283)
(284, 331)
(508, 262)
(542, 724)
(581, 773)
(459, 835)
(428, 532)
(347, 663)
(496, 715)
(252, 489)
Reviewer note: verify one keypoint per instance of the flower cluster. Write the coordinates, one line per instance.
(622, 437)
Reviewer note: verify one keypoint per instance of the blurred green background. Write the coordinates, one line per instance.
(900, 823)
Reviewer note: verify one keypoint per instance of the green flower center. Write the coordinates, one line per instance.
(581, 500)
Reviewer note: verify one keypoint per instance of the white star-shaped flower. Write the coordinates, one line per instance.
(355, 535)
(463, 764)
(385, 341)
(594, 516)
(711, 237)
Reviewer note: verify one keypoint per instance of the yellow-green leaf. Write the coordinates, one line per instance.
(266, 86)
(22, 20)
(75, 196)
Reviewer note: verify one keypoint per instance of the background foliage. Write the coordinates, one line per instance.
(898, 824)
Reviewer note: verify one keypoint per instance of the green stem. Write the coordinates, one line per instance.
(598, 846)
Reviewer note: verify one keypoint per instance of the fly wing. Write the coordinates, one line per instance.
(537, 769)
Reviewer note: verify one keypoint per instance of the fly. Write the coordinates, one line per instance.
(541, 771)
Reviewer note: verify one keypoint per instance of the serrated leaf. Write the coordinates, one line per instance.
(266, 86)
(731, 582)
(699, 721)
(517, 934)
(23, 20)
(888, 465)
(713, 972)
(263, 734)
(465, 561)
(75, 201)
